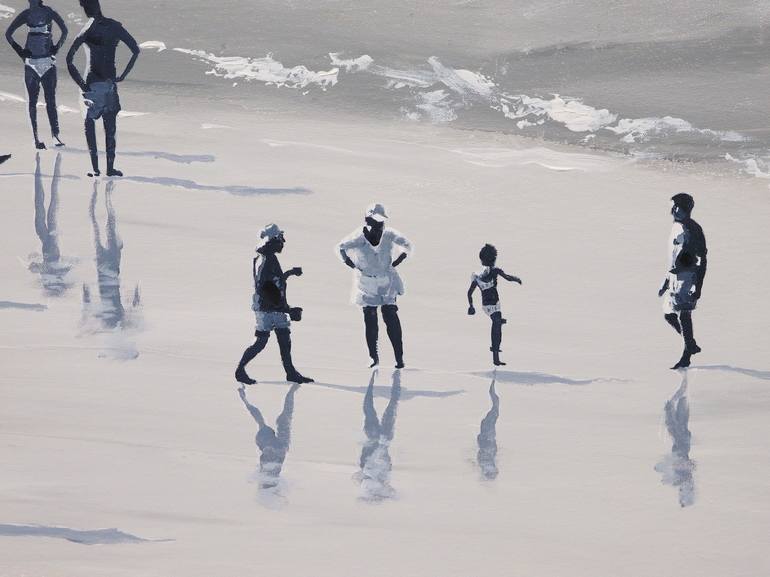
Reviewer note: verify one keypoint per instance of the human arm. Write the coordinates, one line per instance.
(471, 289)
(73, 70)
(508, 277)
(348, 243)
(664, 287)
(296, 271)
(63, 27)
(404, 244)
(13, 27)
(129, 41)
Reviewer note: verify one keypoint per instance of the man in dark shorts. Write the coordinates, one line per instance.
(687, 269)
(271, 311)
(100, 92)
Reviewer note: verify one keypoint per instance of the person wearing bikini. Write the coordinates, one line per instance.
(39, 55)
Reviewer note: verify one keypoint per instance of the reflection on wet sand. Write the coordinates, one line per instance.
(50, 265)
(375, 464)
(273, 443)
(109, 314)
(677, 468)
(487, 438)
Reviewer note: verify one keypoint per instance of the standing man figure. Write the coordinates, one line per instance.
(100, 92)
(687, 269)
(374, 253)
(271, 310)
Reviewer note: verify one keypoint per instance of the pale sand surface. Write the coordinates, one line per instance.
(160, 447)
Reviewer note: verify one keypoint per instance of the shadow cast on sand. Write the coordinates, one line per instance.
(532, 378)
(384, 392)
(83, 537)
(763, 375)
(236, 190)
(22, 306)
(170, 156)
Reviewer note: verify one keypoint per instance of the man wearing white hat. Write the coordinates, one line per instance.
(271, 310)
(374, 253)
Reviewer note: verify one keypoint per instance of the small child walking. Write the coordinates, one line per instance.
(486, 281)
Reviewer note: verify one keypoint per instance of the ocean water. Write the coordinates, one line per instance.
(680, 80)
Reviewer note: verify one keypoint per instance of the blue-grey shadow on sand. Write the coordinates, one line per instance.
(22, 306)
(385, 392)
(763, 375)
(532, 378)
(170, 156)
(236, 190)
(84, 537)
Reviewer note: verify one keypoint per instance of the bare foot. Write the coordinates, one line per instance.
(114, 172)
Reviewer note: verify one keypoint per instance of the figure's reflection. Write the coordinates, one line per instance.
(375, 462)
(272, 445)
(677, 468)
(109, 313)
(487, 438)
(50, 265)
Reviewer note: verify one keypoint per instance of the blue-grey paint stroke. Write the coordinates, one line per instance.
(83, 537)
(531, 378)
(44, 175)
(677, 468)
(236, 190)
(52, 268)
(22, 306)
(487, 438)
(375, 462)
(170, 156)
(757, 374)
(385, 392)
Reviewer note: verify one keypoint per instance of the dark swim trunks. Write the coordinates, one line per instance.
(101, 98)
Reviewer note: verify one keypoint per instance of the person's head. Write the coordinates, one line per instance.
(682, 205)
(272, 238)
(91, 8)
(35, 3)
(376, 215)
(488, 255)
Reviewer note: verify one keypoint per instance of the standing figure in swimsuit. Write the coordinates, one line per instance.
(100, 92)
(374, 252)
(39, 55)
(486, 281)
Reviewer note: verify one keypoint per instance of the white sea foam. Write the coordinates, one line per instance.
(153, 45)
(6, 11)
(760, 168)
(211, 126)
(638, 130)
(9, 97)
(539, 156)
(572, 113)
(265, 70)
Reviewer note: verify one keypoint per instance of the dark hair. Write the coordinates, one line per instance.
(684, 201)
(91, 7)
(488, 254)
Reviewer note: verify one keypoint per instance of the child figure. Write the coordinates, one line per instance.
(486, 281)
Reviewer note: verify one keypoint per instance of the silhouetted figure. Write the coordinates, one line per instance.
(375, 462)
(487, 438)
(271, 310)
(4, 157)
(272, 445)
(111, 311)
(39, 55)
(486, 281)
(677, 468)
(51, 267)
(101, 37)
(687, 269)
(374, 253)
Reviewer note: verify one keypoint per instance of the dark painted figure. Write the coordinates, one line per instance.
(271, 309)
(677, 468)
(375, 463)
(486, 281)
(687, 268)
(374, 253)
(39, 56)
(51, 267)
(101, 37)
(273, 443)
(487, 438)
(4, 157)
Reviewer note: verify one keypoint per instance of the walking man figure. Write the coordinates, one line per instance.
(101, 37)
(374, 253)
(271, 310)
(687, 269)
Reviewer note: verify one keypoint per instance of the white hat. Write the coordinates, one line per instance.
(377, 212)
(270, 232)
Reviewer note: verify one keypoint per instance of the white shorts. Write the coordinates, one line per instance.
(268, 321)
(680, 295)
(491, 309)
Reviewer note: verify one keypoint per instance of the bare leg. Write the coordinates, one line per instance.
(49, 90)
(32, 81)
(690, 346)
(497, 337)
(110, 128)
(673, 320)
(393, 324)
(284, 343)
(90, 127)
(240, 373)
(372, 334)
